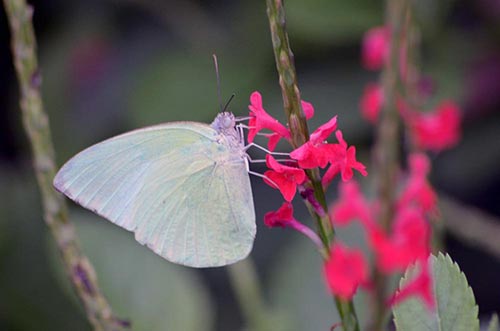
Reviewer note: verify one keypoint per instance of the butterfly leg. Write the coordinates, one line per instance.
(265, 149)
(264, 177)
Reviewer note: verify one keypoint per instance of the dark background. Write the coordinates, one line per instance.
(110, 66)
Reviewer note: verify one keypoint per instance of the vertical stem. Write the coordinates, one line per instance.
(415, 99)
(36, 123)
(387, 145)
(245, 284)
(300, 134)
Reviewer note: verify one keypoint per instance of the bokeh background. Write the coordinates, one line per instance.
(110, 66)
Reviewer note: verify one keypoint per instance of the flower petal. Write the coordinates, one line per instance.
(345, 270)
(308, 109)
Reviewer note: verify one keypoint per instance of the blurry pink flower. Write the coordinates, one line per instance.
(437, 130)
(372, 102)
(343, 161)
(351, 205)
(375, 48)
(420, 286)
(418, 190)
(408, 242)
(345, 270)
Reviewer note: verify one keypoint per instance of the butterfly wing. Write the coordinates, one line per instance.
(181, 190)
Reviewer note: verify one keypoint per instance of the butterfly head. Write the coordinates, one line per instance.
(224, 122)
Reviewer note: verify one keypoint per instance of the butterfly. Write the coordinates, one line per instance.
(183, 188)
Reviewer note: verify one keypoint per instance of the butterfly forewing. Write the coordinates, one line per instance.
(178, 186)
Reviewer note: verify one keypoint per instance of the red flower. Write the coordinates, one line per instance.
(372, 102)
(281, 217)
(316, 152)
(409, 241)
(421, 287)
(274, 139)
(417, 189)
(324, 131)
(285, 177)
(437, 130)
(342, 160)
(345, 270)
(260, 119)
(308, 109)
(375, 48)
(351, 205)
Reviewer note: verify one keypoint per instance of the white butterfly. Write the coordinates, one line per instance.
(183, 188)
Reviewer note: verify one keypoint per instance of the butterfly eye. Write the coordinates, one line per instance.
(227, 122)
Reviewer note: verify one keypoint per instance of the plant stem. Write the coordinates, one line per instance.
(246, 286)
(300, 134)
(387, 145)
(36, 123)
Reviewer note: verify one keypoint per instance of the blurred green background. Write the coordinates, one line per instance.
(110, 66)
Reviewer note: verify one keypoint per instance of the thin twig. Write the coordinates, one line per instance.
(300, 134)
(471, 225)
(386, 153)
(246, 286)
(36, 123)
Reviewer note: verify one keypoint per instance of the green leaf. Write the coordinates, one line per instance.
(456, 308)
(151, 292)
(493, 323)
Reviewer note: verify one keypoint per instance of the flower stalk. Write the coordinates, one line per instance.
(386, 152)
(299, 135)
(246, 287)
(36, 123)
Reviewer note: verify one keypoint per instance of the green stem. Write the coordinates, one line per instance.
(246, 286)
(387, 145)
(36, 123)
(300, 134)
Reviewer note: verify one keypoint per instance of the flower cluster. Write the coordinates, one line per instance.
(346, 268)
(406, 243)
(435, 129)
(336, 158)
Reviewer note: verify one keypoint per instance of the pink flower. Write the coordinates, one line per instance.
(437, 130)
(408, 242)
(418, 190)
(324, 131)
(283, 217)
(285, 177)
(308, 109)
(345, 270)
(316, 152)
(372, 102)
(260, 119)
(351, 205)
(421, 287)
(375, 48)
(342, 160)
(274, 139)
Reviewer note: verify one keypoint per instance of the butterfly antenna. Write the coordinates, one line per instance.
(218, 82)
(228, 102)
